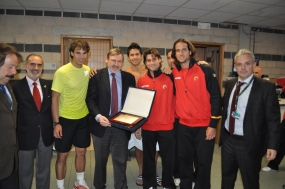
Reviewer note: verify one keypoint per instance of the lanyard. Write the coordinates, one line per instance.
(237, 95)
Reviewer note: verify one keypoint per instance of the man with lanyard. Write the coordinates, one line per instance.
(251, 114)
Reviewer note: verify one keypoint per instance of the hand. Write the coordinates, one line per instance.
(202, 62)
(138, 134)
(271, 154)
(104, 121)
(93, 72)
(210, 133)
(166, 70)
(57, 131)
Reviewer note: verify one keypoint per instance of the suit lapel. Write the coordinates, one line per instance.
(106, 80)
(254, 91)
(45, 94)
(229, 89)
(125, 87)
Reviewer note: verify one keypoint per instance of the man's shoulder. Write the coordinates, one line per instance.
(127, 73)
(263, 82)
(45, 81)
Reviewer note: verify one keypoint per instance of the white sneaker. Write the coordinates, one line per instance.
(81, 185)
(267, 169)
(177, 181)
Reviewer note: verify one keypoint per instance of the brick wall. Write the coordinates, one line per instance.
(41, 34)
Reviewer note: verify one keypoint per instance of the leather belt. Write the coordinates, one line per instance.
(233, 136)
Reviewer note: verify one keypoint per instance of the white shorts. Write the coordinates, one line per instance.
(134, 142)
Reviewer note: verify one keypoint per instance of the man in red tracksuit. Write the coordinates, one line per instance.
(159, 127)
(198, 106)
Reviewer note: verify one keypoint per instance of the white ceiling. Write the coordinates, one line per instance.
(258, 13)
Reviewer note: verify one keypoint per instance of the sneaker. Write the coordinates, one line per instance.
(177, 181)
(267, 169)
(81, 185)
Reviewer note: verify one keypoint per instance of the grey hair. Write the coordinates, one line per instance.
(244, 52)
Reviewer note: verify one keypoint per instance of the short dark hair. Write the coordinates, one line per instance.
(5, 50)
(83, 44)
(189, 45)
(152, 51)
(134, 46)
(169, 50)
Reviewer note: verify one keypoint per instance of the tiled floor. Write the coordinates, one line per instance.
(268, 180)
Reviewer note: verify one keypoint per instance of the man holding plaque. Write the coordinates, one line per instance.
(106, 95)
(159, 127)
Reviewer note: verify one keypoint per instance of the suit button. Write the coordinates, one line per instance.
(39, 126)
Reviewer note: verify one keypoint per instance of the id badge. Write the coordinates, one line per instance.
(235, 115)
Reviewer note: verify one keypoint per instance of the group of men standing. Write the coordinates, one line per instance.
(80, 106)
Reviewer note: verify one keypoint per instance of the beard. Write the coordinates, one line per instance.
(34, 74)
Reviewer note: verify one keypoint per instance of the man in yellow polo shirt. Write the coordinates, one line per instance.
(70, 113)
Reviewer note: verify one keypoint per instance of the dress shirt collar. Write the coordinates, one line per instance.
(117, 74)
(247, 80)
(30, 81)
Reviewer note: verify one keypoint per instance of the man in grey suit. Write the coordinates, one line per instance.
(251, 114)
(34, 124)
(9, 59)
(107, 139)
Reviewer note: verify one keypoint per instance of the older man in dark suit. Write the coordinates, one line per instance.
(250, 115)
(9, 59)
(34, 124)
(106, 95)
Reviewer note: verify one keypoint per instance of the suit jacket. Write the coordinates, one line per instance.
(31, 121)
(8, 139)
(99, 98)
(262, 117)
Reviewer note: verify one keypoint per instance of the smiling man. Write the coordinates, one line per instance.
(107, 91)
(34, 124)
(70, 113)
(198, 106)
(159, 127)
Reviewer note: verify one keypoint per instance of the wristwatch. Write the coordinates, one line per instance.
(55, 123)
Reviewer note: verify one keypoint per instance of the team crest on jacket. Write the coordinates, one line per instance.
(164, 86)
(196, 78)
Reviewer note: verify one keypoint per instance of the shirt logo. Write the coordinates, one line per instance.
(144, 86)
(86, 73)
(196, 78)
(177, 77)
(164, 86)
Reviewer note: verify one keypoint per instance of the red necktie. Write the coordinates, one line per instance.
(114, 102)
(233, 108)
(37, 96)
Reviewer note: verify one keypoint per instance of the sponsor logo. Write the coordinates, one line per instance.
(145, 86)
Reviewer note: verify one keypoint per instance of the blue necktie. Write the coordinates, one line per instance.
(3, 89)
